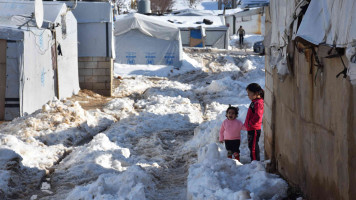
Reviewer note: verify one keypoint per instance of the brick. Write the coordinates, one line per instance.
(269, 81)
(85, 72)
(81, 79)
(90, 65)
(99, 72)
(91, 79)
(103, 64)
(99, 86)
(99, 59)
(108, 72)
(85, 59)
(84, 85)
(104, 79)
(108, 85)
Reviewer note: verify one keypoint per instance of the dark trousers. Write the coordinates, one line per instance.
(241, 38)
(233, 146)
(253, 137)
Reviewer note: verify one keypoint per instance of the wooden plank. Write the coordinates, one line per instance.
(3, 45)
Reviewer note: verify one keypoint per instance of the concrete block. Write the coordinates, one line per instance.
(103, 92)
(85, 72)
(84, 85)
(91, 79)
(108, 72)
(104, 79)
(269, 81)
(268, 97)
(108, 85)
(267, 115)
(99, 59)
(81, 65)
(104, 65)
(99, 86)
(90, 65)
(85, 59)
(99, 72)
(81, 79)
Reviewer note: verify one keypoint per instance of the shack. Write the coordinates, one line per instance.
(40, 63)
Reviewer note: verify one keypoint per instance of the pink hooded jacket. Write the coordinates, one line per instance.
(231, 130)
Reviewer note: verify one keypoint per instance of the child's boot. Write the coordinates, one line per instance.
(237, 156)
(229, 154)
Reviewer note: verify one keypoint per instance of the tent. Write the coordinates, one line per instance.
(65, 36)
(141, 39)
(26, 69)
(40, 63)
(213, 29)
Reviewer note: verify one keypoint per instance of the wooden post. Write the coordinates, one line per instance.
(3, 45)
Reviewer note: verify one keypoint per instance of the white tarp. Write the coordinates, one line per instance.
(329, 22)
(141, 39)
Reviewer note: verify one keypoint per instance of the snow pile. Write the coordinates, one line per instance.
(120, 108)
(249, 40)
(129, 185)
(217, 177)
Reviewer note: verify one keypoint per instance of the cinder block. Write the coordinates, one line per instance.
(108, 85)
(108, 72)
(81, 79)
(99, 72)
(103, 92)
(99, 59)
(91, 79)
(103, 64)
(269, 81)
(81, 65)
(85, 72)
(104, 79)
(90, 65)
(99, 86)
(85, 59)
(84, 85)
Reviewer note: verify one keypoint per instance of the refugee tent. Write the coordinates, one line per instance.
(64, 24)
(40, 63)
(214, 31)
(141, 39)
(26, 67)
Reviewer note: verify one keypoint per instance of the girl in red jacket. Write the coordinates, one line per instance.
(253, 120)
(230, 132)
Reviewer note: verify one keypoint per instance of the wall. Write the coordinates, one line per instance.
(2, 78)
(96, 74)
(309, 126)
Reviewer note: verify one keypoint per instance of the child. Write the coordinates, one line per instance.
(253, 120)
(230, 132)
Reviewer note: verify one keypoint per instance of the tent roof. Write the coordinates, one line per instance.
(147, 25)
(12, 8)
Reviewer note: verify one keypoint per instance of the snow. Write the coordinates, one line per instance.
(156, 139)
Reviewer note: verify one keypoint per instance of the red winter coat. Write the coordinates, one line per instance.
(254, 115)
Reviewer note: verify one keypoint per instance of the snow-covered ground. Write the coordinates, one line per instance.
(163, 146)
(157, 139)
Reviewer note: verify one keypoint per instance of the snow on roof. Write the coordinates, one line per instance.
(194, 12)
(87, 12)
(11, 8)
(148, 25)
(193, 21)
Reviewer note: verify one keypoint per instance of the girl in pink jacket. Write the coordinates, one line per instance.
(230, 132)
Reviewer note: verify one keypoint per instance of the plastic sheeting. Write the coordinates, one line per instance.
(329, 22)
(141, 39)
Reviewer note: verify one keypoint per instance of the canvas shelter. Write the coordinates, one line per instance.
(212, 29)
(26, 67)
(48, 54)
(141, 39)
